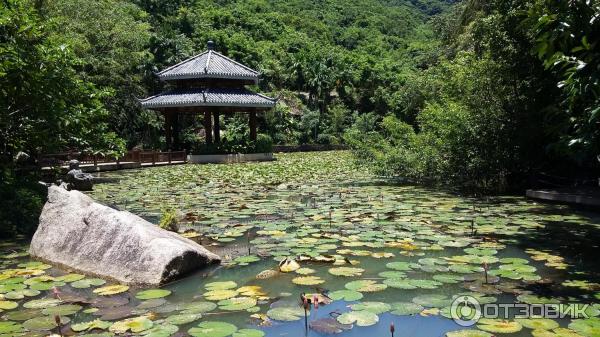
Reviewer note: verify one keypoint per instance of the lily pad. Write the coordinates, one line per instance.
(328, 326)
(111, 290)
(360, 318)
(213, 329)
(308, 280)
(152, 294)
(498, 326)
(286, 313)
(346, 271)
(346, 295)
(135, 325)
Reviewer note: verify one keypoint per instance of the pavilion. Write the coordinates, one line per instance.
(210, 84)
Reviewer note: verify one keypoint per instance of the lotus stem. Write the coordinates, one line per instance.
(58, 324)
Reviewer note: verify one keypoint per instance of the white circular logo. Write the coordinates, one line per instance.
(465, 310)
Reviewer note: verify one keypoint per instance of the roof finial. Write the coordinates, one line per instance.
(210, 45)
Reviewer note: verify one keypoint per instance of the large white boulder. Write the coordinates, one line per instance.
(81, 234)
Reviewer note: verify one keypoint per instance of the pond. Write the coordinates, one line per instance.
(371, 252)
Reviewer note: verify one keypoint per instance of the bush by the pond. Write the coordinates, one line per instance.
(22, 201)
(169, 220)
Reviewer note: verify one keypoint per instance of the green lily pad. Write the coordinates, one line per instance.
(468, 333)
(135, 325)
(88, 282)
(346, 271)
(538, 323)
(237, 303)
(286, 313)
(249, 333)
(152, 294)
(91, 325)
(62, 310)
(406, 308)
(180, 319)
(498, 326)
(374, 307)
(213, 329)
(346, 295)
(360, 318)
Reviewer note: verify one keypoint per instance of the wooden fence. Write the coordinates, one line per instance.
(134, 156)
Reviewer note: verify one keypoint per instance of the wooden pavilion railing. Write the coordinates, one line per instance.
(133, 156)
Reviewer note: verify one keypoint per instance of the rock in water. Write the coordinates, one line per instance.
(79, 233)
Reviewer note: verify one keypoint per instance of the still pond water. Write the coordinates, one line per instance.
(371, 252)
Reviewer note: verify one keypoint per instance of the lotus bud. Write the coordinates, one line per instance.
(306, 306)
(57, 319)
(315, 301)
(392, 328)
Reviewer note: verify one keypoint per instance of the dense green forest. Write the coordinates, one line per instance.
(474, 93)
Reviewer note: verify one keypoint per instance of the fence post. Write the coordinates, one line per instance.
(153, 157)
(169, 157)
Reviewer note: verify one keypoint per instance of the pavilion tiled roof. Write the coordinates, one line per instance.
(208, 97)
(209, 64)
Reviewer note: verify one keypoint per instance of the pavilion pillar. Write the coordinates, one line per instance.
(252, 121)
(217, 127)
(208, 127)
(176, 140)
(168, 134)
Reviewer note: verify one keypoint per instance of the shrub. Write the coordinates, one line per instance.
(263, 144)
(169, 220)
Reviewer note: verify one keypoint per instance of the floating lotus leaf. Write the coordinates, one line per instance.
(498, 326)
(468, 333)
(308, 280)
(245, 260)
(432, 300)
(152, 294)
(237, 303)
(91, 325)
(43, 323)
(220, 294)
(328, 326)
(286, 313)
(305, 271)
(400, 266)
(538, 323)
(135, 325)
(589, 327)
(10, 327)
(365, 286)
(115, 313)
(23, 315)
(42, 303)
(199, 307)
(213, 329)
(448, 278)
(87, 282)
(481, 251)
(153, 303)
(374, 307)
(346, 271)
(346, 295)
(392, 274)
(406, 308)
(400, 283)
(249, 333)
(220, 285)
(20, 294)
(181, 319)
(361, 318)
(62, 310)
(533, 299)
(8, 305)
(558, 332)
(70, 278)
(163, 330)
(111, 290)
(252, 291)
